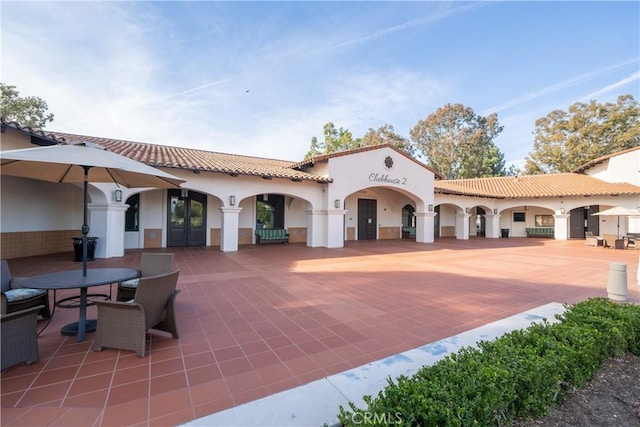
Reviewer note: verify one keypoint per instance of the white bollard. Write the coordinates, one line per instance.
(617, 285)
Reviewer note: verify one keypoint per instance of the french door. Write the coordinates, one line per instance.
(187, 217)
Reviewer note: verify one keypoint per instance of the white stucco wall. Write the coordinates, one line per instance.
(367, 169)
(12, 139)
(153, 213)
(29, 205)
(622, 168)
(364, 175)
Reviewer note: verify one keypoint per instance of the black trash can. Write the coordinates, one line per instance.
(504, 232)
(77, 248)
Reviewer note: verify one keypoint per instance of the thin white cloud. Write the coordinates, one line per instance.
(355, 100)
(426, 20)
(614, 86)
(557, 87)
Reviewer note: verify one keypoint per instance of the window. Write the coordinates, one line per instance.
(518, 217)
(544, 221)
(131, 215)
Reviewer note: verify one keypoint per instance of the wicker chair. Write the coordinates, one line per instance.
(591, 240)
(19, 335)
(151, 264)
(20, 298)
(612, 241)
(124, 325)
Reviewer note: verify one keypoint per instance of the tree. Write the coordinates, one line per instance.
(565, 140)
(458, 143)
(334, 140)
(387, 135)
(28, 111)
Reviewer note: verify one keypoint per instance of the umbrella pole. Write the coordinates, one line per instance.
(85, 226)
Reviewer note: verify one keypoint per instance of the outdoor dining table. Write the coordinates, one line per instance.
(74, 279)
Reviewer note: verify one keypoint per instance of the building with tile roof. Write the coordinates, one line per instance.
(368, 193)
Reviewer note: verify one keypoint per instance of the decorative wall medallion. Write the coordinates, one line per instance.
(388, 162)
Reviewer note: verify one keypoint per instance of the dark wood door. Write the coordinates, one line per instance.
(577, 223)
(187, 219)
(367, 219)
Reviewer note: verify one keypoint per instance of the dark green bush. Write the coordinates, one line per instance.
(521, 374)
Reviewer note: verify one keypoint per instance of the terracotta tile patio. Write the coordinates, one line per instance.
(269, 318)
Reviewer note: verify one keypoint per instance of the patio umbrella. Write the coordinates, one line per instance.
(83, 163)
(619, 211)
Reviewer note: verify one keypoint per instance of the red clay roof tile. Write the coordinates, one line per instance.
(527, 186)
(199, 160)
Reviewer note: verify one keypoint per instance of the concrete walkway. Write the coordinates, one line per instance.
(317, 403)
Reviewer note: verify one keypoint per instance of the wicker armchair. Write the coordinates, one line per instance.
(151, 264)
(124, 325)
(612, 241)
(591, 240)
(19, 335)
(20, 298)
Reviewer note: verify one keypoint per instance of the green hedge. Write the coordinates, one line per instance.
(521, 374)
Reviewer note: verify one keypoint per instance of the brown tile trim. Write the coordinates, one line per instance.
(297, 234)
(152, 238)
(32, 243)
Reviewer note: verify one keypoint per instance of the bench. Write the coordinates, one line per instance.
(271, 235)
(540, 232)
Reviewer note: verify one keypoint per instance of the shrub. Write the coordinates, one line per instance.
(521, 374)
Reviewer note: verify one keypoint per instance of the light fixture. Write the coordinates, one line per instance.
(468, 210)
(526, 208)
(232, 200)
(117, 195)
(430, 207)
(336, 203)
(184, 193)
(562, 211)
(495, 211)
(265, 197)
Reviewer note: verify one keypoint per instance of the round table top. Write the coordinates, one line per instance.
(74, 279)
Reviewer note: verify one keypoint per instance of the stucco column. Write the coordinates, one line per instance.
(492, 226)
(462, 226)
(424, 226)
(316, 228)
(229, 229)
(335, 228)
(561, 229)
(107, 224)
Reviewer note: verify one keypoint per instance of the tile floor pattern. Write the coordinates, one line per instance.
(272, 317)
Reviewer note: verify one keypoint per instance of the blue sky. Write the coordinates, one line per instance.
(262, 78)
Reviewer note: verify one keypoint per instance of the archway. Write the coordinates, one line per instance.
(270, 211)
(383, 212)
(478, 222)
(408, 222)
(582, 220)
